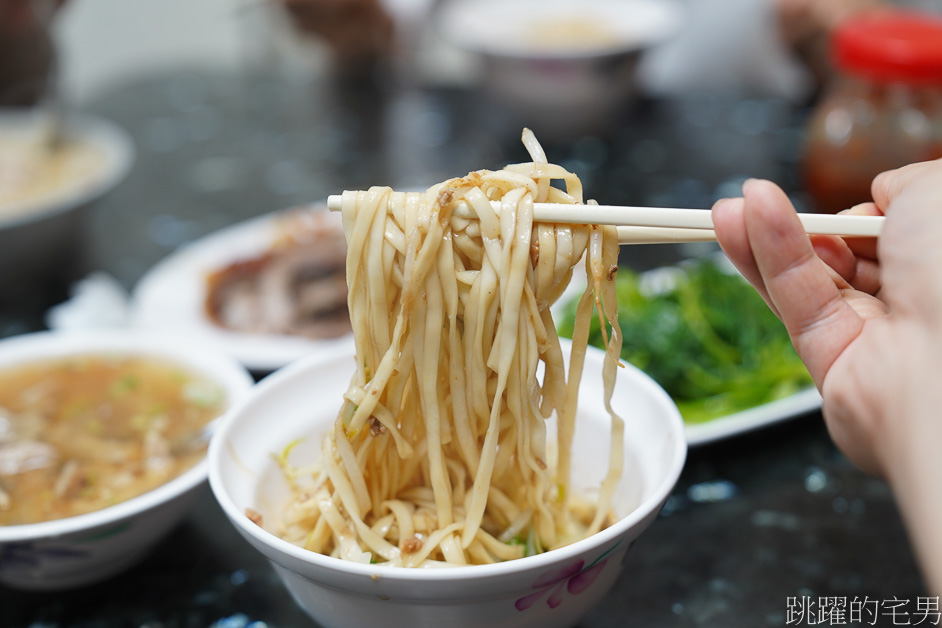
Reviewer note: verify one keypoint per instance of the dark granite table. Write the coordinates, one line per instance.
(756, 520)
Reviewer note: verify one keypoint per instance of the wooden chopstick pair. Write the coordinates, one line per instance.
(659, 225)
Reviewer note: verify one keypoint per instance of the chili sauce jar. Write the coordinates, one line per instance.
(883, 109)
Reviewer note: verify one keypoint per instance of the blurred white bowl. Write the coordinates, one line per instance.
(551, 589)
(88, 548)
(562, 68)
(38, 235)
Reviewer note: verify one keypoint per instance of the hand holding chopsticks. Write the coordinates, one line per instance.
(650, 225)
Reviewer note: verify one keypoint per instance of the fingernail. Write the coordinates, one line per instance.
(721, 202)
(725, 204)
(751, 182)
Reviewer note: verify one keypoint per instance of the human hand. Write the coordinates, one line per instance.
(26, 50)
(23, 15)
(354, 29)
(863, 316)
(806, 26)
(804, 19)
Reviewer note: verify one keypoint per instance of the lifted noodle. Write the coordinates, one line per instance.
(440, 453)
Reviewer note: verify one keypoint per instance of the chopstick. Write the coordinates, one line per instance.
(663, 235)
(651, 225)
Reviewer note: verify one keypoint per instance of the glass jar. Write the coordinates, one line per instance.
(882, 111)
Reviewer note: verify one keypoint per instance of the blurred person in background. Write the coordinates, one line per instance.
(26, 51)
(775, 47)
(358, 32)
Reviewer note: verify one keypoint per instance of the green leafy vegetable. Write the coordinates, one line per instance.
(707, 338)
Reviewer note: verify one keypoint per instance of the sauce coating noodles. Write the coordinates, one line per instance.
(441, 453)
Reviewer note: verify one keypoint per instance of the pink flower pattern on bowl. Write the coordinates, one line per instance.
(575, 578)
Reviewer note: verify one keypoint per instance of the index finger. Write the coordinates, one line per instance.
(801, 288)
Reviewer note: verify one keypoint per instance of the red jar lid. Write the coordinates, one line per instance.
(891, 46)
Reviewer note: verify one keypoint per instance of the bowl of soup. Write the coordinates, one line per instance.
(103, 440)
(48, 182)
(563, 69)
(289, 413)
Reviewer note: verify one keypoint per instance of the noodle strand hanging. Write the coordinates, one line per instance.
(441, 453)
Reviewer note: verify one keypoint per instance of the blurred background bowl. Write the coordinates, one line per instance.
(39, 233)
(87, 548)
(562, 68)
(298, 405)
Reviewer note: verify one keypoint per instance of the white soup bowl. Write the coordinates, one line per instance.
(88, 548)
(555, 588)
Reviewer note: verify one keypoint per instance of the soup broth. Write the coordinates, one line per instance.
(82, 433)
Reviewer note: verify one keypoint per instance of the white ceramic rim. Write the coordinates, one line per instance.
(453, 13)
(119, 155)
(652, 504)
(38, 346)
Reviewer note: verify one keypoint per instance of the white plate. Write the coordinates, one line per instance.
(722, 427)
(171, 296)
(755, 418)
